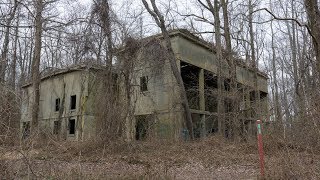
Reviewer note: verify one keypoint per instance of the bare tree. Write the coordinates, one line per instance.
(313, 13)
(159, 19)
(39, 7)
(254, 62)
(275, 79)
(103, 9)
(5, 48)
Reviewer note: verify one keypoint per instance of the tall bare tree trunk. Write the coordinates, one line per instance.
(232, 70)
(36, 64)
(300, 110)
(5, 48)
(104, 14)
(215, 9)
(277, 108)
(254, 63)
(313, 14)
(14, 59)
(220, 98)
(159, 19)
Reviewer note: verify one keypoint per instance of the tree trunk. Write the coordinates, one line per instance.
(254, 63)
(158, 17)
(313, 14)
(293, 46)
(220, 98)
(36, 64)
(277, 108)
(5, 48)
(104, 15)
(14, 59)
(232, 70)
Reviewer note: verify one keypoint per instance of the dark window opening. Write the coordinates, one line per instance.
(141, 127)
(144, 83)
(263, 95)
(227, 84)
(197, 126)
(115, 84)
(25, 129)
(252, 96)
(72, 126)
(210, 91)
(57, 104)
(190, 77)
(56, 127)
(73, 102)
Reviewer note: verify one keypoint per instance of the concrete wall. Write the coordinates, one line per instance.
(202, 57)
(246, 77)
(162, 98)
(61, 86)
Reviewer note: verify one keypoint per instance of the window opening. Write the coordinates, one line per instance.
(25, 129)
(144, 83)
(57, 104)
(72, 128)
(141, 127)
(73, 102)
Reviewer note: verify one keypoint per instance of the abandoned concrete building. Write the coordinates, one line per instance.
(66, 98)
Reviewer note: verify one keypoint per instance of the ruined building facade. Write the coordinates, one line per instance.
(67, 96)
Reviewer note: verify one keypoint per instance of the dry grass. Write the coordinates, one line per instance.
(209, 158)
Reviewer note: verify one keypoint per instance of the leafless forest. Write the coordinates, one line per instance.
(278, 37)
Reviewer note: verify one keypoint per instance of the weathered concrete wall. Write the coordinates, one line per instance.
(61, 86)
(246, 77)
(202, 57)
(196, 54)
(162, 98)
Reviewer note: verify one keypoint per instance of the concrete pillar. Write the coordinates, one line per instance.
(203, 125)
(202, 104)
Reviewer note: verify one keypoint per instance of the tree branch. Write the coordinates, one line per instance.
(153, 14)
(288, 19)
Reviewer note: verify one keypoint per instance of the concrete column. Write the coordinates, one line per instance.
(202, 104)
(203, 125)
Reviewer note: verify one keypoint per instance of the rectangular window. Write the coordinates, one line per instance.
(73, 102)
(144, 83)
(142, 126)
(56, 127)
(25, 129)
(57, 104)
(72, 126)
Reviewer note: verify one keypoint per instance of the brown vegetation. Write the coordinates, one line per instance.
(212, 158)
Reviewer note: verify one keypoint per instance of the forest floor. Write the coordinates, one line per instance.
(210, 158)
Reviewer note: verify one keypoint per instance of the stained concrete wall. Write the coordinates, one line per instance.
(59, 86)
(162, 98)
(246, 76)
(202, 57)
